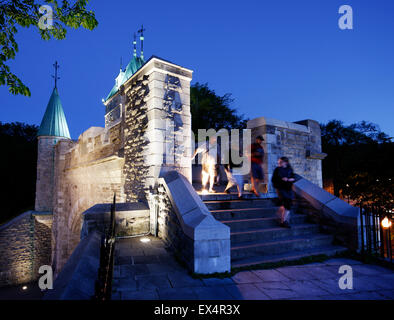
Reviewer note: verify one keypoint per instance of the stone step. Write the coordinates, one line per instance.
(260, 223)
(273, 247)
(245, 213)
(289, 256)
(239, 204)
(269, 234)
(234, 196)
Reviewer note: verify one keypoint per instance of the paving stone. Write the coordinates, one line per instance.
(246, 277)
(277, 290)
(160, 268)
(270, 275)
(139, 295)
(379, 280)
(306, 298)
(115, 296)
(335, 297)
(179, 280)
(154, 251)
(217, 281)
(152, 282)
(366, 296)
(212, 293)
(342, 261)
(133, 270)
(370, 270)
(177, 294)
(123, 260)
(319, 272)
(145, 259)
(131, 252)
(366, 284)
(332, 286)
(126, 284)
(246, 292)
(296, 273)
(306, 288)
(389, 294)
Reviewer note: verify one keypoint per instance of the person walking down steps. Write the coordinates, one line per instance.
(282, 180)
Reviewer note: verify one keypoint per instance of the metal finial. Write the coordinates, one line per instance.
(141, 32)
(56, 66)
(135, 45)
(121, 64)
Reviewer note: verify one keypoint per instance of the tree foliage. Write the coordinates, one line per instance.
(18, 142)
(26, 13)
(210, 110)
(359, 162)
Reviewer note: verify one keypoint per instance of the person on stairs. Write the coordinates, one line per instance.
(282, 180)
(256, 172)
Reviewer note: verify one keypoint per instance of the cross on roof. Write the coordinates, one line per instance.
(56, 66)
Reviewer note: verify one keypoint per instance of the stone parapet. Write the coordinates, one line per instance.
(186, 225)
(131, 219)
(77, 279)
(332, 213)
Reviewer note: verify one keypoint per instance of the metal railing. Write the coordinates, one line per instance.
(103, 286)
(375, 238)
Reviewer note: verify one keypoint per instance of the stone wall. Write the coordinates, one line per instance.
(25, 245)
(170, 230)
(135, 121)
(299, 141)
(87, 172)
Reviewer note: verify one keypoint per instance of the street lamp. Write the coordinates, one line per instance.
(386, 224)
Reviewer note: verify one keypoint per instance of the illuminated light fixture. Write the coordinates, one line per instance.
(24, 288)
(145, 239)
(386, 223)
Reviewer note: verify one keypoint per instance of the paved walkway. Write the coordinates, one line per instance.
(148, 271)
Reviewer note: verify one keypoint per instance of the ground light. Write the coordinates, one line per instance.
(24, 288)
(144, 239)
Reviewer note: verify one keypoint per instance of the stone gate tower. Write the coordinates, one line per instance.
(52, 129)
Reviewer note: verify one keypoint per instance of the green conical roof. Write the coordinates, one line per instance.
(133, 66)
(54, 121)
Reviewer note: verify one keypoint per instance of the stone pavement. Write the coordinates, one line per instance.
(148, 271)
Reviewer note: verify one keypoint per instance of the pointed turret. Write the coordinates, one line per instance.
(54, 122)
(52, 129)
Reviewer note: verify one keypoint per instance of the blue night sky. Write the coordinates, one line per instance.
(280, 59)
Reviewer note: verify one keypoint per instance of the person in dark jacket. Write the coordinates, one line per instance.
(282, 179)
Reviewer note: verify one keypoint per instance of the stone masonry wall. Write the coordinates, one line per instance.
(87, 172)
(45, 164)
(25, 245)
(300, 142)
(170, 230)
(135, 170)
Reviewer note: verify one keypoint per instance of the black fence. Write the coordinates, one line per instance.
(376, 232)
(104, 282)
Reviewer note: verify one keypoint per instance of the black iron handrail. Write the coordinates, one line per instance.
(104, 281)
(375, 239)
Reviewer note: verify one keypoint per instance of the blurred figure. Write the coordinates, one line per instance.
(282, 179)
(257, 173)
(208, 161)
(234, 177)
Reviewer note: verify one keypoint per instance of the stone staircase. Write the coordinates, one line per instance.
(256, 236)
